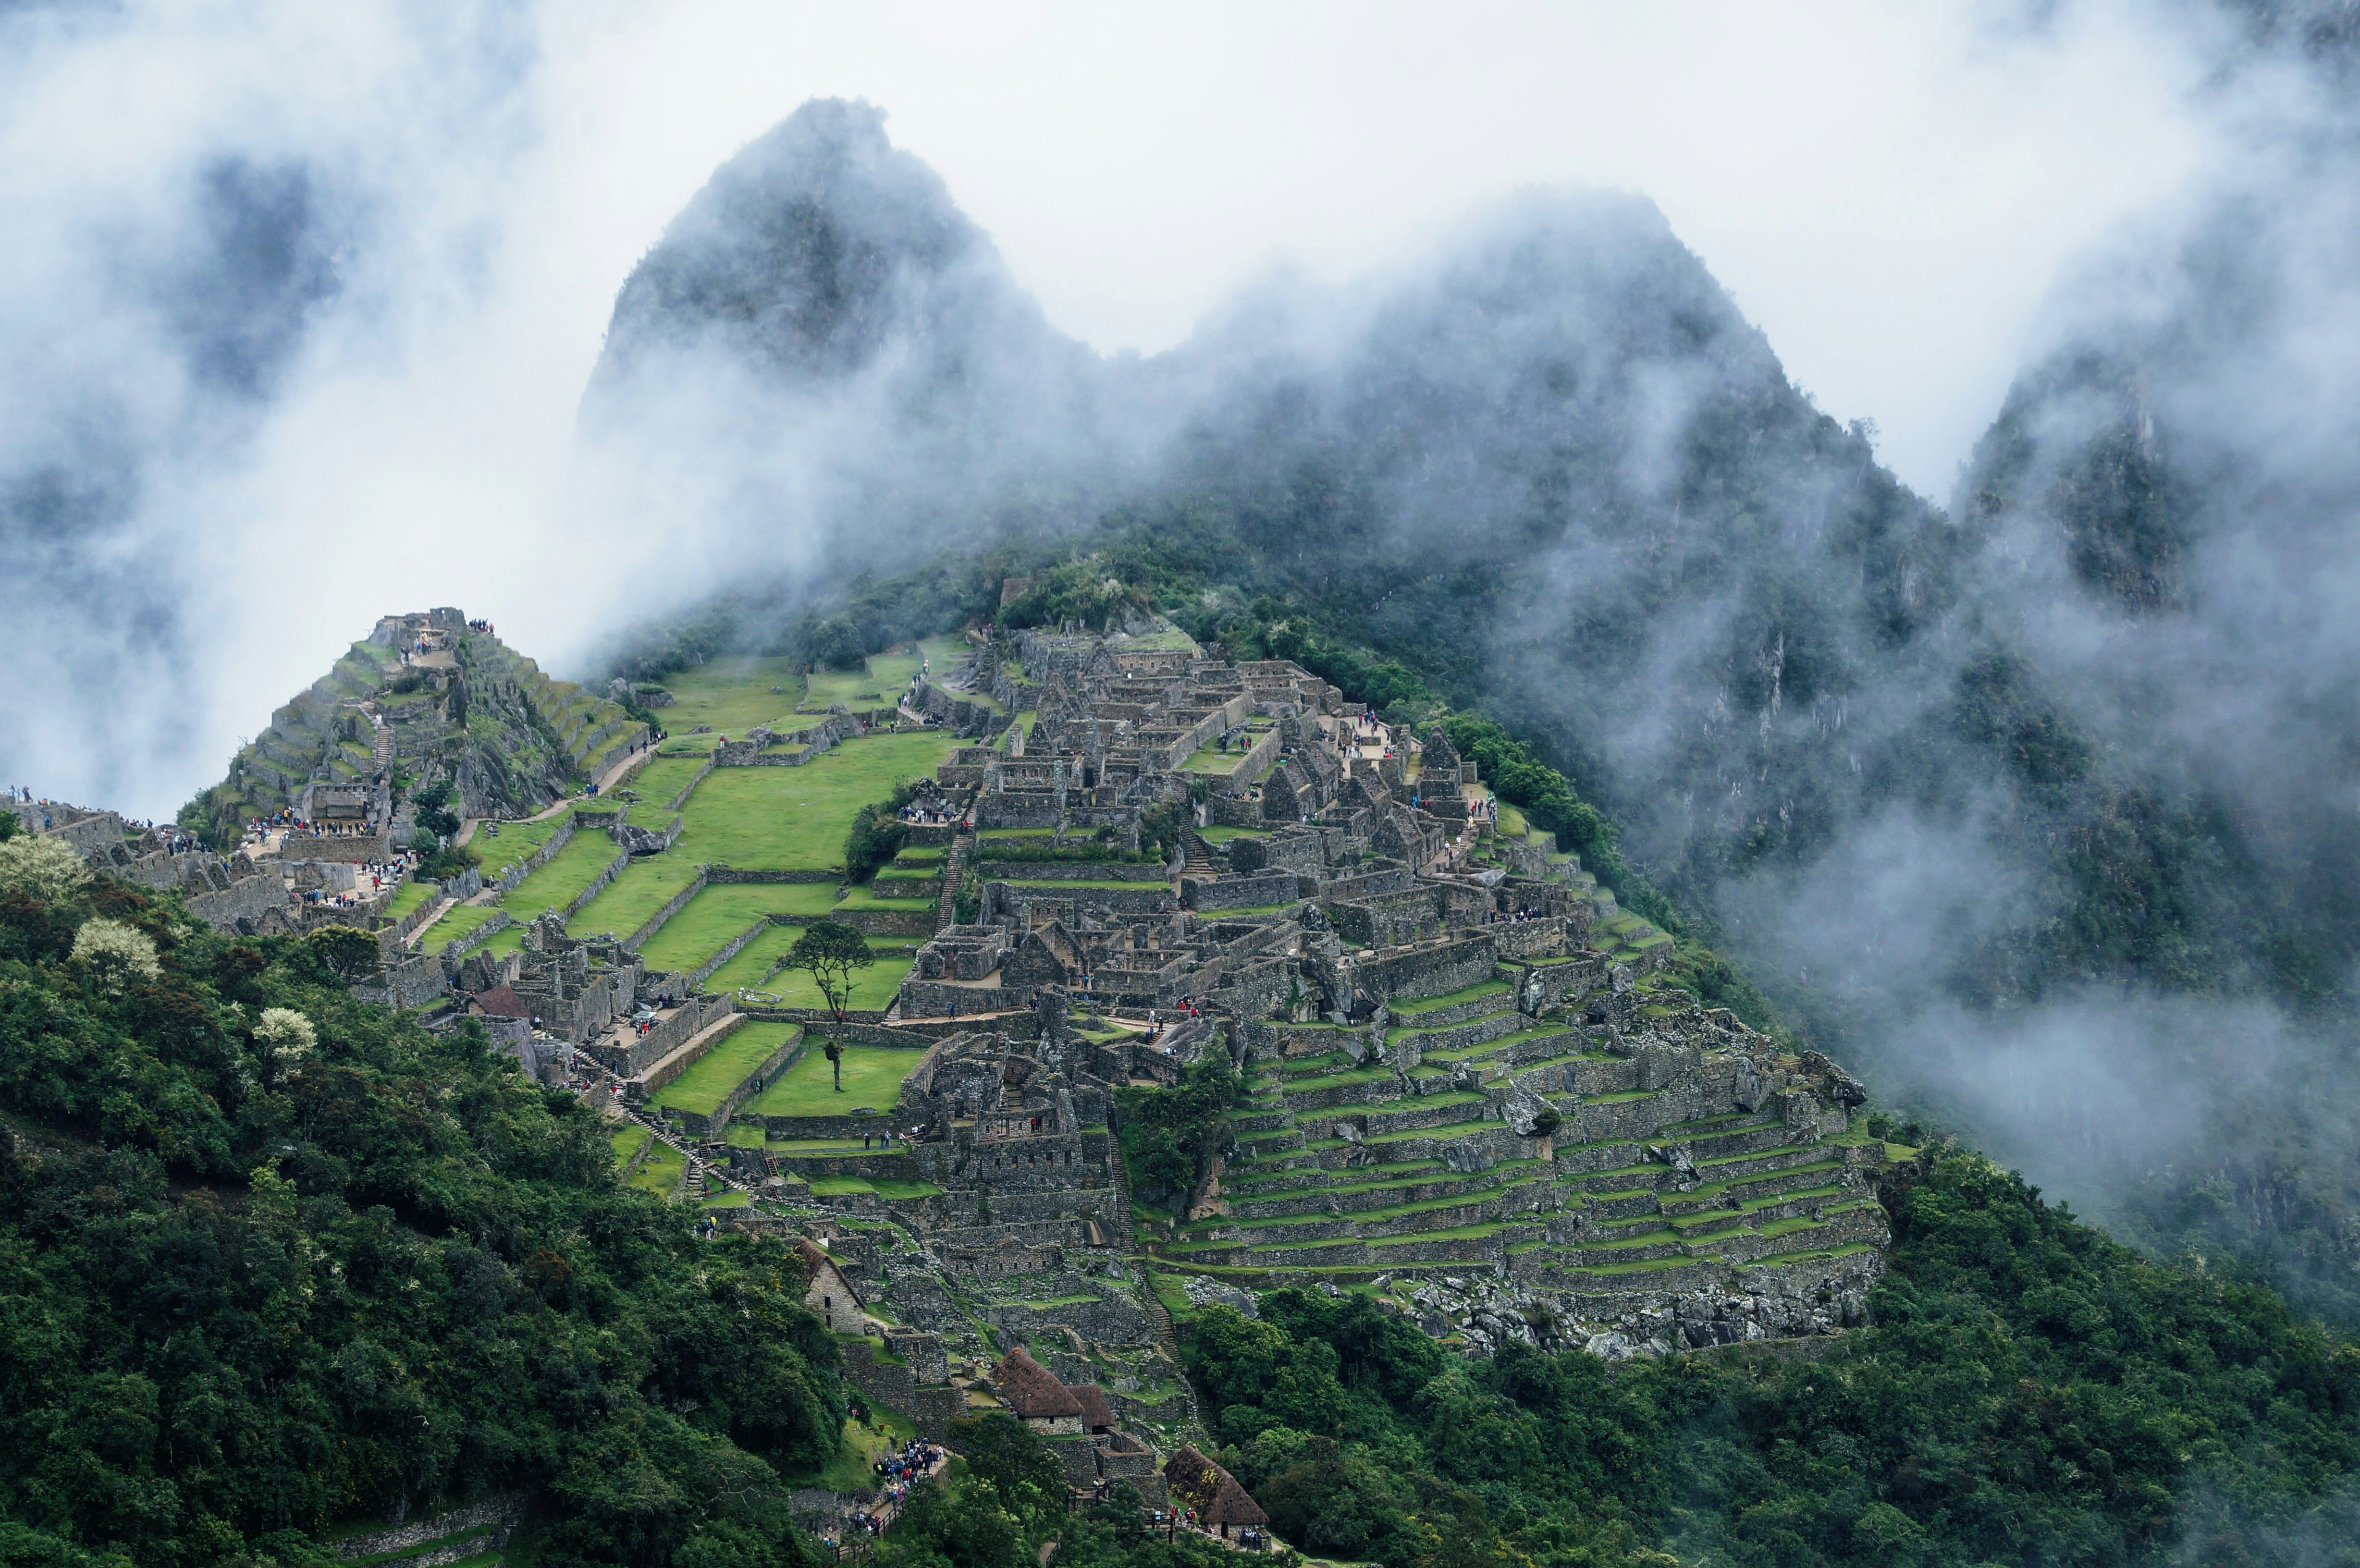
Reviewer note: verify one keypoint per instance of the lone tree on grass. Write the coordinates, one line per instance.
(830, 950)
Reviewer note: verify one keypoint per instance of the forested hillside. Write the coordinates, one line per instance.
(277, 1261)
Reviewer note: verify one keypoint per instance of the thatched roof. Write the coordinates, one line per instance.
(1212, 1491)
(1192, 1475)
(1098, 1415)
(1232, 1506)
(1031, 1390)
(501, 1002)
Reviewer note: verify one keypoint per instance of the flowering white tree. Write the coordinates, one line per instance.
(46, 867)
(285, 1034)
(115, 953)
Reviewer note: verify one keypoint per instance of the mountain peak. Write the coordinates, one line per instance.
(800, 253)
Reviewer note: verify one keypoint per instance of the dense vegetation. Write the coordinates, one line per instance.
(1171, 1137)
(2033, 1394)
(272, 1259)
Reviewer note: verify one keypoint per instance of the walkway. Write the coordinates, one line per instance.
(606, 781)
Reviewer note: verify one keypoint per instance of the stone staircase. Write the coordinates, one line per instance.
(1392, 1155)
(954, 866)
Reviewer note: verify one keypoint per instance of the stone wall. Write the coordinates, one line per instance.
(1233, 811)
(495, 1515)
(1544, 938)
(597, 884)
(1064, 870)
(931, 1408)
(636, 1053)
(1431, 969)
(335, 846)
(709, 1124)
(415, 981)
(855, 1033)
(726, 874)
(474, 939)
(1261, 888)
(1003, 897)
(1393, 878)
(655, 922)
(244, 899)
(737, 944)
(392, 939)
(539, 858)
(681, 800)
(889, 922)
(933, 998)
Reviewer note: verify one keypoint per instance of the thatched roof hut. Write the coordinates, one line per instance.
(1212, 1491)
(1098, 1415)
(1031, 1390)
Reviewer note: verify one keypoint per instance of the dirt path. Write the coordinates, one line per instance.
(606, 781)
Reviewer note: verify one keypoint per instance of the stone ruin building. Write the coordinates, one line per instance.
(1470, 1086)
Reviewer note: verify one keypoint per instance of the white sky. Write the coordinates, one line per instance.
(1887, 189)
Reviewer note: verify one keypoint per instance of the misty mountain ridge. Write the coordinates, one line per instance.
(1932, 772)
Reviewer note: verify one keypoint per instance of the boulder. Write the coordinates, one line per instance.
(1523, 1111)
(1465, 1156)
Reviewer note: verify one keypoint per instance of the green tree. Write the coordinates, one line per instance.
(830, 951)
(1170, 1136)
(343, 954)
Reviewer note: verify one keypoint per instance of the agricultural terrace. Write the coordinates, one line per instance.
(662, 1170)
(407, 898)
(718, 915)
(795, 818)
(458, 923)
(700, 1090)
(872, 988)
(733, 695)
(883, 678)
(558, 883)
(637, 895)
(503, 845)
(872, 1076)
(661, 777)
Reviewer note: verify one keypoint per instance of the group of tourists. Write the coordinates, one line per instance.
(288, 820)
(20, 796)
(912, 1460)
(925, 816)
(483, 626)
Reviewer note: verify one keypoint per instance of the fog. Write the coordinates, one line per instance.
(316, 314)
(300, 301)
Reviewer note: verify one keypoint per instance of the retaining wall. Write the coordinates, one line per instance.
(655, 922)
(709, 1124)
(599, 883)
(735, 945)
